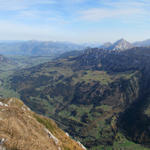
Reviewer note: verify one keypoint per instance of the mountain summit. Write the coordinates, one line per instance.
(121, 45)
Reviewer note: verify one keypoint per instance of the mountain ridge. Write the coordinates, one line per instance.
(119, 45)
(145, 43)
(22, 129)
(50, 48)
(37, 48)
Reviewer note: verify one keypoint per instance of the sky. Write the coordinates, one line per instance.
(79, 21)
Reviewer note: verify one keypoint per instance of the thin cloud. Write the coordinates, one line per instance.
(126, 3)
(116, 9)
(27, 31)
(14, 5)
(98, 14)
(73, 19)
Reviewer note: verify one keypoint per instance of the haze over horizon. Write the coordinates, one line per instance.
(75, 20)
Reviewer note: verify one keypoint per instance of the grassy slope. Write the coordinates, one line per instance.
(122, 143)
(7, 69)
(24, 130)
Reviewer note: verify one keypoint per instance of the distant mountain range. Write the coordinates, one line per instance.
(122, 44)
(145, 43)
(49, 48)
(37, 48)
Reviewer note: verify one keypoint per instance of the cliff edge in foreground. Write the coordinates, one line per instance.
(22, 129)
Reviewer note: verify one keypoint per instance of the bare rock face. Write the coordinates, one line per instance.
(22, 129)
(121, 45)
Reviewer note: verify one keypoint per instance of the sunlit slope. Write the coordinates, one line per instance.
(22, 129)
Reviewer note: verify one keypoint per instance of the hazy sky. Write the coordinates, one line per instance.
(75, 20)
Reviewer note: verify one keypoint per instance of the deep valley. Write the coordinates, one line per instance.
(99, 97)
